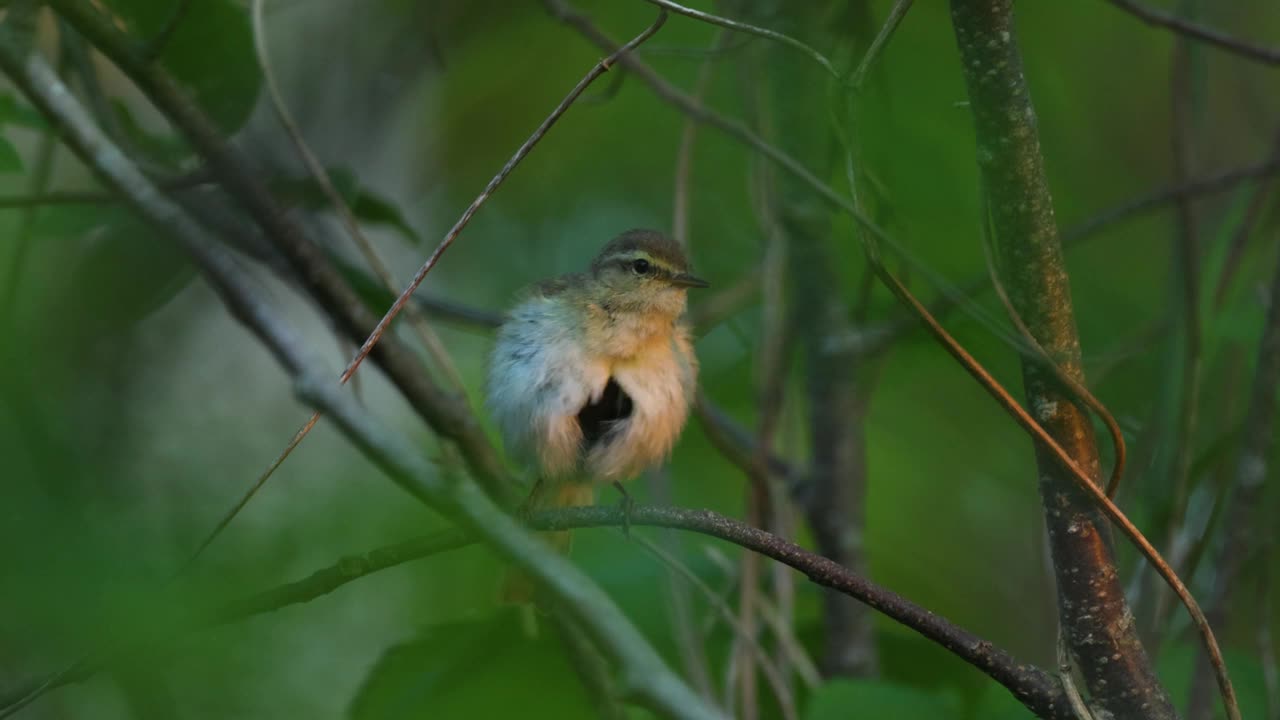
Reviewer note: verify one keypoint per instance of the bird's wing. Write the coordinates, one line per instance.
(539, 381)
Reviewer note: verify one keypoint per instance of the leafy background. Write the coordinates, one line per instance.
(134, 410)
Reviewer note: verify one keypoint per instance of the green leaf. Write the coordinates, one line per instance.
(367, 206)
(10, 160)
(479, 668)
(125, 272)
(210, 52)
(862, 698)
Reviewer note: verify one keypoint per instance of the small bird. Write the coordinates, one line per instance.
(593, 374)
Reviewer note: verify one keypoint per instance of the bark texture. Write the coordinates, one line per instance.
(1096, 619)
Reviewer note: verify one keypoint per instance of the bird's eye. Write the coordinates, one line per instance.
(641, 266)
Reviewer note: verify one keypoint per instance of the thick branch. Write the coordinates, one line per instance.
(1096, 619)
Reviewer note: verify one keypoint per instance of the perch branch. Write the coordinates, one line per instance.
(1036, 689)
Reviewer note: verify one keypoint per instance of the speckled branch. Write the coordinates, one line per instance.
(1096, 619)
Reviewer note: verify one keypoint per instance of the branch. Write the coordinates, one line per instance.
(1093, 611)
(644, 675)
(1212, 36)
(1035, 688)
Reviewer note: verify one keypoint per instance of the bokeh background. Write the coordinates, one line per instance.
(134, 410)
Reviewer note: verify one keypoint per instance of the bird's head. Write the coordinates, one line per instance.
(643, 271)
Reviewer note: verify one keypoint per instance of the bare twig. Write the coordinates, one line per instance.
(891, 23)
(781, 691)
(1212, 36)
(1032, 686)
(1252, 213)
(750, 30)
(157, 44)
(644, 675)
(430, 341)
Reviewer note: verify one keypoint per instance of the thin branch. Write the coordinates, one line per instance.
(644, 675)
(1033, 687)
(750, 30)
(1212, 36)
(881, 41)
(157, 44)
(430, 341)
(781, 691)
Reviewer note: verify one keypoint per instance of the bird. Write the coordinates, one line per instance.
(592, 376)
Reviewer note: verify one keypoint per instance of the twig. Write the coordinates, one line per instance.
(1241, 238)
(1212, 36)
(684, 155)
(750, 30)
(896, 14)
(157, 44)
(1036, 352)
(430, 340)
(1032, 686)
(644, 675)
(786, 702)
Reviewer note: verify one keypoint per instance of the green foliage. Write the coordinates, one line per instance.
(210, 52)
(10, 161)
(474, 668)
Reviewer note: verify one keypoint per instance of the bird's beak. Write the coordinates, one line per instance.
(685, 280)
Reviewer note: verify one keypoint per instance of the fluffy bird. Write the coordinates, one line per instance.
(593, 374)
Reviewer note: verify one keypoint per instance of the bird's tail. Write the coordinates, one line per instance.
(518, 587)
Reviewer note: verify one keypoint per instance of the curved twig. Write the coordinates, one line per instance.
(1037, 352)
(750, 29)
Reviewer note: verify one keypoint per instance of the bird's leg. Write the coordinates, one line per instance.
(626, 504)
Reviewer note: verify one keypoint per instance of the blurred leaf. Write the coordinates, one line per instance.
(862, 698)
(125, 273)
(474, 669)
(13, 112)
(10, 160)
(211, 52)
(365, 205)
